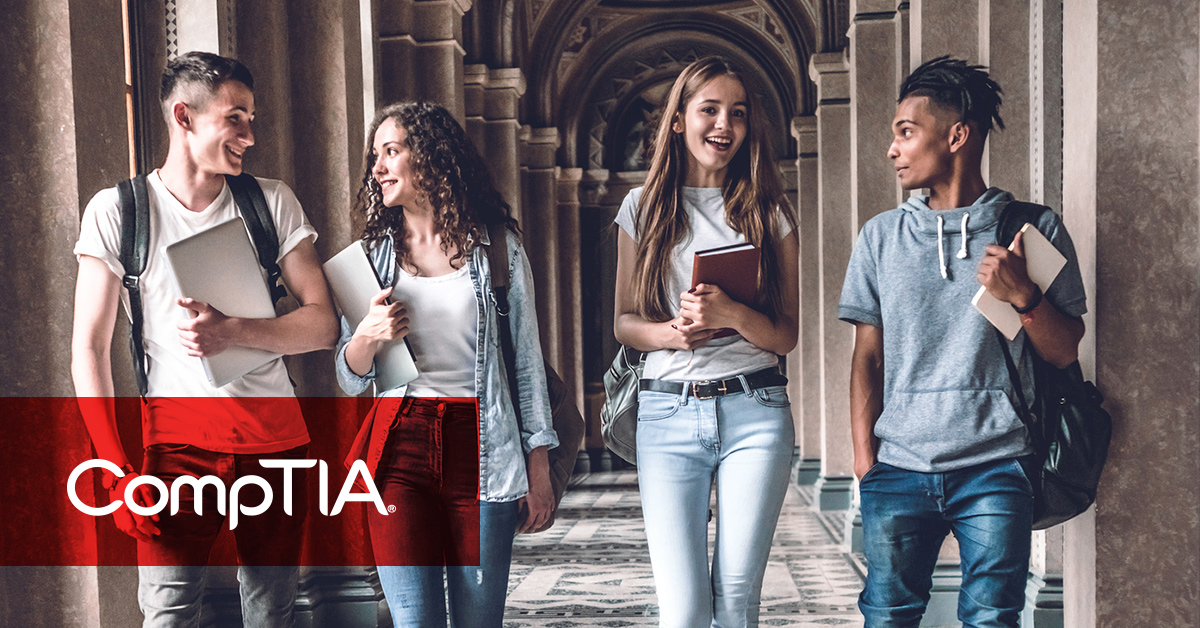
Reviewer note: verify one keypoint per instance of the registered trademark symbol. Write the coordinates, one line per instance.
(392, 508)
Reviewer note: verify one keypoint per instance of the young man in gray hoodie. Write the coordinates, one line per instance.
(938, 443)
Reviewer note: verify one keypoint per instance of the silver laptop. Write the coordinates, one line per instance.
(355, 283)
(219, 266)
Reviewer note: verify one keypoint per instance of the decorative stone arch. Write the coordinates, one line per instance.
(553, 24)
(600, 88)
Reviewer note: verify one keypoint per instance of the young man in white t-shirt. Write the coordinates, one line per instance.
(189, 426)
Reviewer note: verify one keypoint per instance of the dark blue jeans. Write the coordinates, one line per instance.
(906, 516)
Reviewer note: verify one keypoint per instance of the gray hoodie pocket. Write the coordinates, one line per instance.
(939, 430)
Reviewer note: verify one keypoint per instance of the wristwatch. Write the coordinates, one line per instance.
(109, 481)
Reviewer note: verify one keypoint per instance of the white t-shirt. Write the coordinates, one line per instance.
(443, 316)
(720, 358)
(171, 373)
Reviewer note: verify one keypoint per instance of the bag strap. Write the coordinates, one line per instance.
(1013, 216)
(250, 200)
(498, 263)
(135, 248)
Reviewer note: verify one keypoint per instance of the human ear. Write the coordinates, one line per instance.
(676, 124)
(179, 113)
(960, 132)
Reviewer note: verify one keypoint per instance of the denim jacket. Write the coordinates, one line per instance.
(502, 443)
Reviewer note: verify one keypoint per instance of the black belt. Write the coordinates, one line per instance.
(709, 388)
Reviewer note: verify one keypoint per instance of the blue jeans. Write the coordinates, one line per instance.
(744, 441)
(417, 598)
(906, 516)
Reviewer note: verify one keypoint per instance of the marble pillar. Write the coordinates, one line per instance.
(943, 27)
(1132, 172)
(492, 98)
(570, 279)
(421, 52)
(539, 221)
(1004, 47)
(874, 85)
(805, 380)
(831, 73)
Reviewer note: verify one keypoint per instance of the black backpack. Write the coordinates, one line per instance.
(135, 248)
(1069, 429)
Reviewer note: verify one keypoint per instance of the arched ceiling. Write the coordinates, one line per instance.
(574, 46)
(587, 59)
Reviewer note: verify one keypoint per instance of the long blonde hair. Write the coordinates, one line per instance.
(751, 190)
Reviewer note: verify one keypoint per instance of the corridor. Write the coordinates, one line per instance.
(592, 568)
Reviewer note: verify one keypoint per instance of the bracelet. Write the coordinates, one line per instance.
(110, 481)
(1036, 301)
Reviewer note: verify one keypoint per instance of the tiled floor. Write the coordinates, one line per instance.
(592, 568)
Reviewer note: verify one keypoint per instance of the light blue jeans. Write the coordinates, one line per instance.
(417, 598)
(743, 441)
(170, 596)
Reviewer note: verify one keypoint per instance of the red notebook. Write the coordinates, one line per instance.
(734, 268)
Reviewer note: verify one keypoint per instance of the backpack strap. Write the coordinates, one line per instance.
(135, 248)
(498, 265)
(1013, 217)
(250, 200)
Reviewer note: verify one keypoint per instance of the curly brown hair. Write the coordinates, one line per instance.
(448, 172)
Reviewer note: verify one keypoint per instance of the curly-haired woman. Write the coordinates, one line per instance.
(710, 407)
(456, 464)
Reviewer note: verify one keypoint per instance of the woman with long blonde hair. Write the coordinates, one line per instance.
(709, 408)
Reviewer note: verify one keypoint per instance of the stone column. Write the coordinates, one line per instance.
(492, 98)
(874, 85)
(570, 280)
(943, 27)
(598, 257)
(539, 220)
(1131, 182)
(831, 73)
(1004, 47)
(805, 380)
(421, 53)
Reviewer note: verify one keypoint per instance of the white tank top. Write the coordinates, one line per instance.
(443, 327)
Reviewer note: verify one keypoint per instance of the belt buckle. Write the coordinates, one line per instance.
(721, 390)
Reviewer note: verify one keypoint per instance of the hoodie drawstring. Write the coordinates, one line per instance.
(942, 249)
(962, 252)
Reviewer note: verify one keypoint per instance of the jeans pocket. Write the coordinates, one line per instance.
(772, 396)
(870, 473)
(1019, 465)
(654, 406)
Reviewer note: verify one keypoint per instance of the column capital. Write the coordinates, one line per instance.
(865, 10)
(831, 72)
(538, 147)
(804, 130)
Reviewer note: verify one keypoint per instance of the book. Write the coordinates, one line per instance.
(219, 266)
(1042, 261)
(355, 282)
(734, 269)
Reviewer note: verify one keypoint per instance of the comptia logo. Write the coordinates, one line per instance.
(233, 505)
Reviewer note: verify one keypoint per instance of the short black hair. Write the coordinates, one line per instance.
(204, 70)
(959, 87)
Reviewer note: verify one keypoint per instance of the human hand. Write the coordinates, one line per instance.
(385, 322)
(208, 332)
(1004, 275)
(137, 526)
(682, 334)
(863, 464)
(708, 307)
(538, 504)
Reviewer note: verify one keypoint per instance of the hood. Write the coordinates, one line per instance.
(966, 222)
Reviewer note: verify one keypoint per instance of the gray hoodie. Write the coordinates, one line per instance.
(948, 402)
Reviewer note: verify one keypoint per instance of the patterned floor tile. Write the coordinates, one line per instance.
(592, 568)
